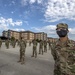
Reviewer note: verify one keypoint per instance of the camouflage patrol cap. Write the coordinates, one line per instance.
(62, 25)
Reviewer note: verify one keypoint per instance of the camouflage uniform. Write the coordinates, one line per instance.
(34, 48)
(7, 43)
(13, 43)
(25, 43)
(22, 51)
(0, 43)
(45, 46)
(49, 45)
(29, 43)
(41, 47)
(64, 56)
(18, 42)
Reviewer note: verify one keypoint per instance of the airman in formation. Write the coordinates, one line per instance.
(41, 44)
(34, 53)
(0, 43)
(22, 45)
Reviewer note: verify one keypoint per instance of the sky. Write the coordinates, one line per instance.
(37, 15)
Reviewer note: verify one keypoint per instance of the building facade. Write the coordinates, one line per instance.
(11, 33)
(41, 36)
(52, 39)
(5, 33)
(27, 35)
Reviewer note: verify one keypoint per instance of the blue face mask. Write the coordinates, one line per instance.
(62, 33)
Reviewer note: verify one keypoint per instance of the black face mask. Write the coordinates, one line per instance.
(62, 33)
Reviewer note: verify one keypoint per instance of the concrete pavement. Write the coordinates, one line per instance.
(42, 65)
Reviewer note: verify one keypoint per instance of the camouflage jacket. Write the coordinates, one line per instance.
(35, 43)
(7, 42)
(41, 44)
(0, 42)
(22, 44)
(64, 56)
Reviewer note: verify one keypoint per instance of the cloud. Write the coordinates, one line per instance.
(39, 1)
(18, 29)
(25, 2)
(55, 10)
(6, 23)
(3, 24)
(60, 9)
(72, 31)
(18, 23)
(3, 27)
(51, 31)
(11, 22)
(32, 1)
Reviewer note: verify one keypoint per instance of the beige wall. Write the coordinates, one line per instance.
(41, 36)
(52, 39)
(28, 35)
(15, 35)
(11, 33)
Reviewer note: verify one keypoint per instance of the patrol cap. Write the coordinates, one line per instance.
(62, 25)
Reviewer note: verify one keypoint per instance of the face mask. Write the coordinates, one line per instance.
(62, 33)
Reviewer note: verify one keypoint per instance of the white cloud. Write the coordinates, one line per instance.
(6, 23)
(18, 29)
(72, 30)
(55, 10)
(32, 1)
(39, 1)
(3, 24)
(49, 29)
(18, 23)
(25, 2)
(3, 27)
(60, 9)
(11, 22)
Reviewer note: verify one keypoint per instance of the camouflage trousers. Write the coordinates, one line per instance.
(45, 48)
(0, 45)
(13, 45)
(41, 50)
(34, 52)
(49, 47)
(29, 44)
(22, 55)
(7, 46)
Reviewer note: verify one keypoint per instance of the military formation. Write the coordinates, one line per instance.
(62, 50)
(22, 43)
